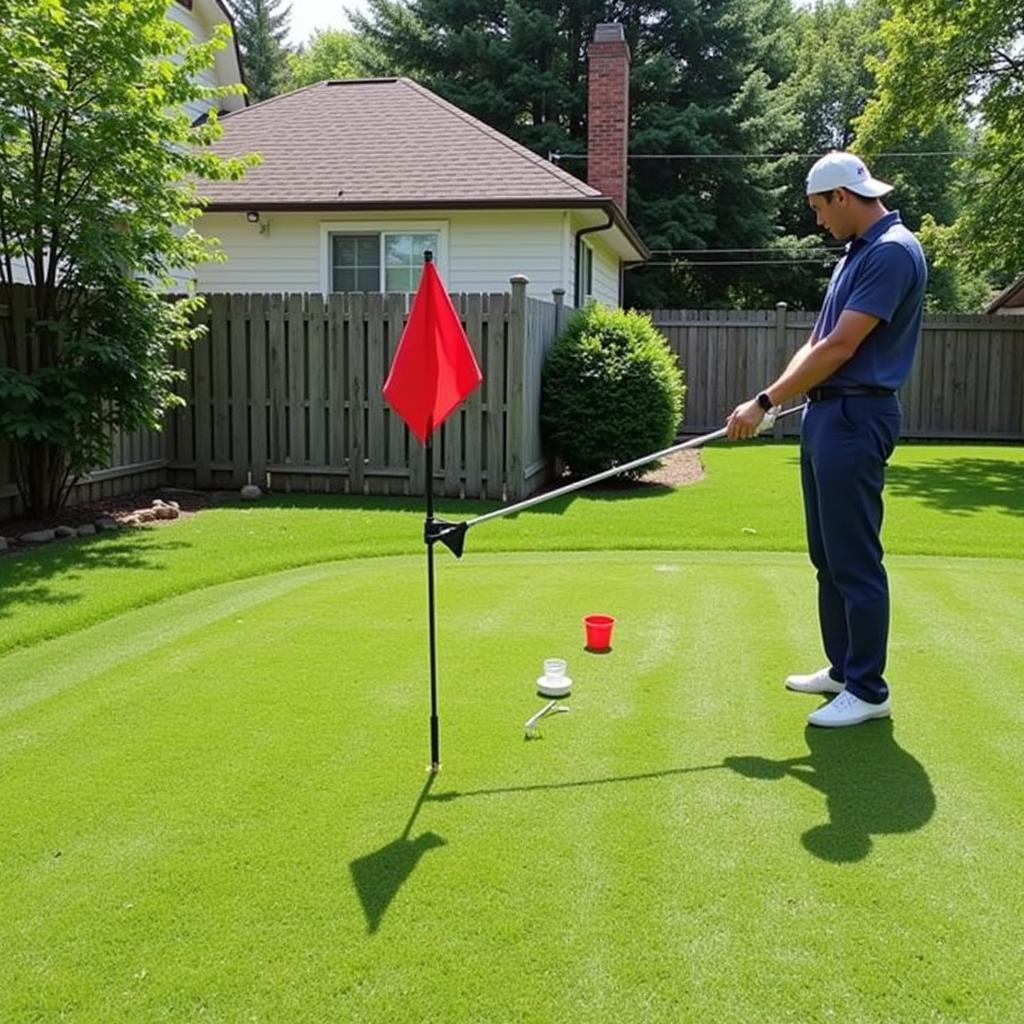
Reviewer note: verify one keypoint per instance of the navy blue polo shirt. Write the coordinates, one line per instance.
(884, 274)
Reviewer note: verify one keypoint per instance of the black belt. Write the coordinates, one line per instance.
(819, 394)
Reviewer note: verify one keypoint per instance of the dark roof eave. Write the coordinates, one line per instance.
(602, 203)
(1005, 299)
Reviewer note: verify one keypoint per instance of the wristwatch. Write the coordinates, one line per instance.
(764, 401)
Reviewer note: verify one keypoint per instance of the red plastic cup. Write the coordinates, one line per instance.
(599, 632)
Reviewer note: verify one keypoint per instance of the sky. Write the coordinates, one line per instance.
(312, 14)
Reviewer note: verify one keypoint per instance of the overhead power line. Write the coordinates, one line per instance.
(779, 250)
(554, 156)
(737, 263)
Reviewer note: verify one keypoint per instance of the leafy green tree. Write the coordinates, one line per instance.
(261, 29)
(329, 54)
(949, 60)
(98, 163)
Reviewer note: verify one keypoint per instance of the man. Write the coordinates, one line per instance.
(859, 353)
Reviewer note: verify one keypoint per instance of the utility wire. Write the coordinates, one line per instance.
(769, 249)
(554, 156)
(736, 263)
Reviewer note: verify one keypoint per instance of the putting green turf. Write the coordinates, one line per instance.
(216, 809)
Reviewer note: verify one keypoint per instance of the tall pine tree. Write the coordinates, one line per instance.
(262, 28)
(703, 82)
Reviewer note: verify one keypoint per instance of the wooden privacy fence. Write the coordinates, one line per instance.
(967, 380)
(285, 390)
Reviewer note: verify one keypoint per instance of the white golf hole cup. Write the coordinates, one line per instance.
(554, 668)
(554, 682)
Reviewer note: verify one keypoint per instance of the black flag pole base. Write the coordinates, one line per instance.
(435, 764)
(451, 535)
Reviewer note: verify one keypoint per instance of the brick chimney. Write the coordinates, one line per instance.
(608, 111)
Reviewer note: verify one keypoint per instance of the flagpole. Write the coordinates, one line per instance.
(429, 531)
(432, 372)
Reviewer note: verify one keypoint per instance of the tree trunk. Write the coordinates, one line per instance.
(42, 472)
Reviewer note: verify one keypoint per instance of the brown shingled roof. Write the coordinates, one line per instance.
(381, 142)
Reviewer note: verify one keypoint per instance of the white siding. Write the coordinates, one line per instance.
(200, 33)
(606, 272)
(200, 22)
(484, 249)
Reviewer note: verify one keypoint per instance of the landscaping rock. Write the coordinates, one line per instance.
(38, 537)
(3, 543)
(65, 532)
(132, 520)
(251, 492)
(86, 530)
(106, 523)
(163, 511)
(144, 515)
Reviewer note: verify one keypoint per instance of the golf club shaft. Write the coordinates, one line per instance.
(694, 442)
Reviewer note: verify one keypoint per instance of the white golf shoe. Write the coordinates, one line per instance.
(847, 709)
(816, 682)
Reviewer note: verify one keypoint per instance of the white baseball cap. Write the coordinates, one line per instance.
(845, 170)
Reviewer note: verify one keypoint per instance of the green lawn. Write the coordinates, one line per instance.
(213, 739)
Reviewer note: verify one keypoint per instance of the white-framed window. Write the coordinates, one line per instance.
(379, 258)
(587, 272)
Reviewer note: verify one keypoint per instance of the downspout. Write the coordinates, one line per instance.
(578, 290)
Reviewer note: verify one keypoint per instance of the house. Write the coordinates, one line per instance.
(201, 17)
(1010, 301)
(360, 177)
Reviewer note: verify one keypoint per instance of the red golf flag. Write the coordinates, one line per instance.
(434, 368)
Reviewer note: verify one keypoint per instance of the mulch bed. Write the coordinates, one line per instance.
(118, 509)
(676, 470)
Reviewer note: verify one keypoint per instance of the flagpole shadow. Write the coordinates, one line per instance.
(455, 794)
(379, 876)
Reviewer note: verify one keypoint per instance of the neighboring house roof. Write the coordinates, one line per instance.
(387, 143)
(1009, 298)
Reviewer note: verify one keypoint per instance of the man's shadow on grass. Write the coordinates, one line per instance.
(872, 786)
(379, 876)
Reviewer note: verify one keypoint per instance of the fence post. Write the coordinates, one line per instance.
(559, 296)
(515, 484)
(781, 314)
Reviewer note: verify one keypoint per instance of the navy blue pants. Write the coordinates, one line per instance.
(844, 445)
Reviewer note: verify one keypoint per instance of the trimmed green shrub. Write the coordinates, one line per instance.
(612, 391)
